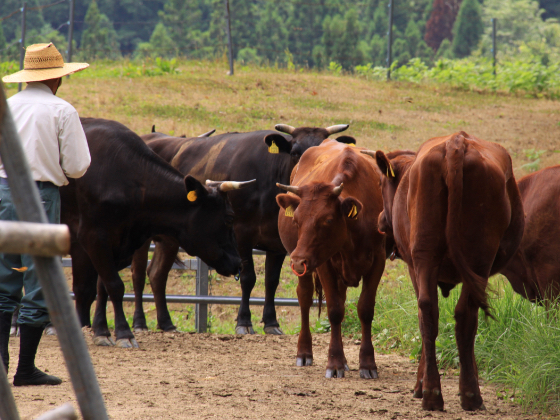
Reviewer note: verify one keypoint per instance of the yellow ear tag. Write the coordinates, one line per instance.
(351, 145)
(391, 168)
(273, 148)
(289, 212)
(191, 196)
(353, 211)
(20, 270)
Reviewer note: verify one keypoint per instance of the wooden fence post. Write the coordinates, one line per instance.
(22, 40)
(230, 43)
(201, 309)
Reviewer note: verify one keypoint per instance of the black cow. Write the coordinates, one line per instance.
(128, 195)
(234, 156)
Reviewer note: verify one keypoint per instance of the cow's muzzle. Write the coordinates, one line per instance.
(299, 267)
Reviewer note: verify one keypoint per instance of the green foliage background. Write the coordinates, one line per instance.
(302, 34)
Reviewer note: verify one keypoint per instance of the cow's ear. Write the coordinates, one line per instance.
(277, 143)
(346, 140)
(384, 164)
(195, 190)
(289, 203)
(351, 207)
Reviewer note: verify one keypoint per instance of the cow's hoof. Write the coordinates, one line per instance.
(346, 368)
(244, 330)
(432, 400)
(14, 332)
(472, 402)
(304, 361)
(171, 330)
(273, 331)
(368, 374)
(50, 330)
(334, 373)
(127, 343)
(417, 393)
(103, 341)
(140, 329)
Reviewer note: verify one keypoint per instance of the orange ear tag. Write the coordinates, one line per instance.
(351, 145)
(191, 196)
(20, 270)
(273, 148)
(289, 212)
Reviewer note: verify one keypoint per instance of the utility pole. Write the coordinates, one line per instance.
(22, 40)
(230, 45)
(70, 33)
(390, 40)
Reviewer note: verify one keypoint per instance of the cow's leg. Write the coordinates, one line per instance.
(101, 329)
(84, 283)
(138, 269)
(248, 280)
(366, 306)
(421, 365)
(305, 298)
(158, 271)
(335, 295)
(428, 313)
(101, 256)
(466, 317)
(273, 267)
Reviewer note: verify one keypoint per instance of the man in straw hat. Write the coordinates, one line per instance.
(55, 146)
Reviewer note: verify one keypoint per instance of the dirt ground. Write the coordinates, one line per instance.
(201, 376)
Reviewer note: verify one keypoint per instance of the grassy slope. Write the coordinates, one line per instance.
(384, 116)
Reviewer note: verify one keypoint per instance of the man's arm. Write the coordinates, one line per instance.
(74, 150)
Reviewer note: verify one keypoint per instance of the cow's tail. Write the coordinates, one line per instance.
(318, 291)
(455, 156)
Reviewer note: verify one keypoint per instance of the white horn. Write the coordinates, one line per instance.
(368, 152)
(208, 134)
(337, 128)
(338, 190)
(284, 128)
(289, 188)
(226, 186)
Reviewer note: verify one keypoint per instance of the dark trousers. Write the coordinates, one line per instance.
(33, 310)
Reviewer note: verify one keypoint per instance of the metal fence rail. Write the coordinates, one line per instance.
(202, 299)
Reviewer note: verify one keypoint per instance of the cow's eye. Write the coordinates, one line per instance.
(229, 220)
(328, 221)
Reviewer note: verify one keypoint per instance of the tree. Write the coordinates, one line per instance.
(99, 39)
(468, 28)
(185, 22)
(440, 24)
(3, 42)
(445, 50)
(272, 34)
(160, 45)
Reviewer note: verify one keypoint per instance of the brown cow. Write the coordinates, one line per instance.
(534, 271)
(329, 225)
(455, 213)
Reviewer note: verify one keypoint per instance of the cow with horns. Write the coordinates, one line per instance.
(455, 214)
(128, 195)
(328, 223)
(266, 156)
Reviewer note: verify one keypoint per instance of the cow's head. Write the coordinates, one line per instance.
(210, 226)
(302, 139)
(322, 218)
(393, 166)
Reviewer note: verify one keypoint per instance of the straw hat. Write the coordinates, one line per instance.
(43, 62)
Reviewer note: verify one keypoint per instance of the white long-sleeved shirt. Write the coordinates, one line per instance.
(51, 134)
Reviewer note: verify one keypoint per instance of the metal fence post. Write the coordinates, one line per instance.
(22, 40)
(390, 40)
(230, 44)
(70, 33)
(494, 20)
(201, 310)
(49, 271)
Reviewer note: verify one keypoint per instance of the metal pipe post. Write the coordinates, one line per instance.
(70, 33)
(8, 409)
(22, 40)
(494, 20)
(201, 309)
(49, 271)
(230, 44)
(390, 40)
